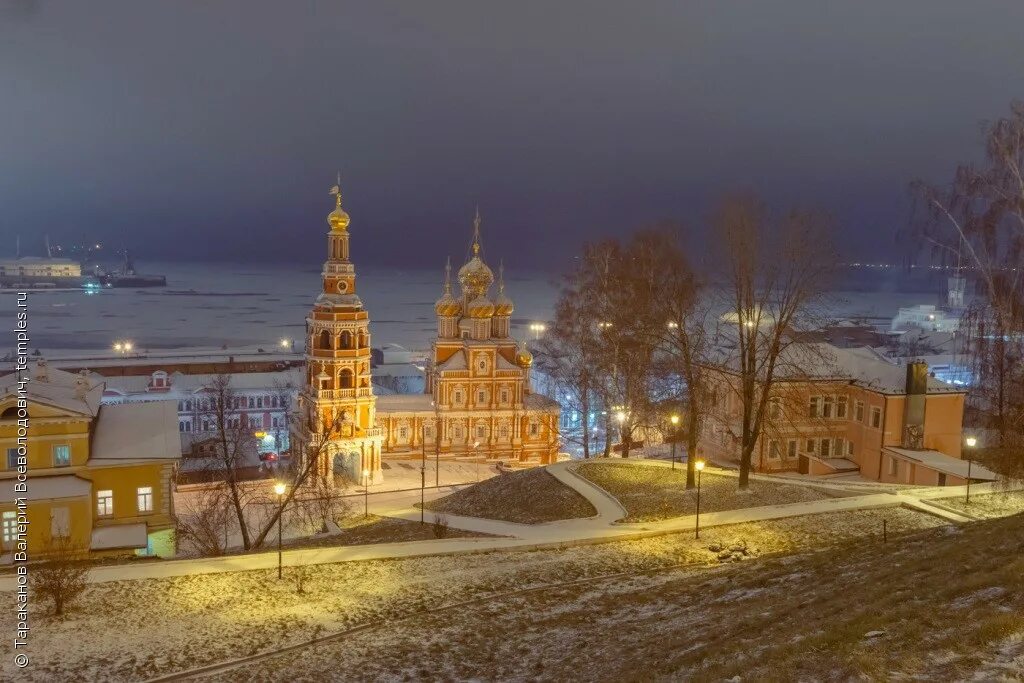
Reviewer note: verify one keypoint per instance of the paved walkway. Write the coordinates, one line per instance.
(603, 526)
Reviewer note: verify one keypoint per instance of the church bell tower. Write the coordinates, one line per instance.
(337, 401)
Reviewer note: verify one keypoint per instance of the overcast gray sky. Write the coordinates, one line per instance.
(214, 129)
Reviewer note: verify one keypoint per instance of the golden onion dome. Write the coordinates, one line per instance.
(480, 307)
(524, 358)
(338, 219)
(475, 278)
(447, 305)
(503, 305)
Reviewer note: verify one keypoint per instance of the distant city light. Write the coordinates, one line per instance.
(285, 343)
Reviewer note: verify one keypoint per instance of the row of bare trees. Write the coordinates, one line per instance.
(641, 327)
(976, 222)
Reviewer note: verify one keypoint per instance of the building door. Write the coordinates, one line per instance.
(942, 478)
(805, 464)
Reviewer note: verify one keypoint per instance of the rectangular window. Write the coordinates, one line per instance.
(61, 456)
(815, 407)
(809, 446)
(791, 449)
(12, 458)
(826, 448)
(9, 527)
(104, 503)
(839, 447)
(858, 411)
(534, 429)
(774, 452)
(504, 397)
(403, 433)
(876, 418)
(144, 496)
(60, 522)
(481, 432)
(826, 411)
(481, 397)
(894, 466)
(849, 448)
(774, 408)
(841, 404)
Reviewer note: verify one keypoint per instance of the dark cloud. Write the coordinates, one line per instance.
(213, 130)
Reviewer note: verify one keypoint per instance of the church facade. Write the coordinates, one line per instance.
(336, 405)
(478, 399)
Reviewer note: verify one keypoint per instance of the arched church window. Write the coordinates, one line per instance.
(346, 379)
(325, 340)
(346, 339)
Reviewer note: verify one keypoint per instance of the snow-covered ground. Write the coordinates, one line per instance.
(126, 631)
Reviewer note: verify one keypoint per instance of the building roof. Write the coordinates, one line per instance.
(940, 462)
(46, 488)
(76, 393)
(190, 384)
(539, 402)
(398, 370)
(865, 367)
(457, 361)
(119, 536)
(136, 433)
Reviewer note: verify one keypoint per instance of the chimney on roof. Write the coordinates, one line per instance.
(82, 384)
(913, 411)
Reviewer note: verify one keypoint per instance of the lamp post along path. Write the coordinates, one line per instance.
(699, 465)
(279, 489)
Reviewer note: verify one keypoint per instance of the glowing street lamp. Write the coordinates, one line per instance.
(366, 493)
(285, 343)
(970, 442)
(279, 489)
(537, 328)
(699, 465)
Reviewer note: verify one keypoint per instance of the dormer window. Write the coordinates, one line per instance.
(159, 380)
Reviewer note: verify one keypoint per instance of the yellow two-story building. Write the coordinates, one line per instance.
(99, 476)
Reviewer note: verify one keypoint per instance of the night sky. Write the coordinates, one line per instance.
(213, 130)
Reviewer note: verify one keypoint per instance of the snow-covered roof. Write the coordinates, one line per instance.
(457, 361)
(46, 488)
(119, 536)
(77, 393)
(941, 462)
(540, 402)
(136, 432)
(818, 361)
(181, 383)
(400, 403)
(397, 370)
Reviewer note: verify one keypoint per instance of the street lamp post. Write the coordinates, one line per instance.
(423, 470)
(699, 465)
(366, 493)
(971, 443)
(279, 489)
(675, 434)
(476, 463)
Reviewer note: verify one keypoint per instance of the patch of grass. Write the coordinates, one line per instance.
(653, 493)
(527, 496)
(989, 505)
(373, 529)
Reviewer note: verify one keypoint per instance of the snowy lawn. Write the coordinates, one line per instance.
(946, 604)
(127, 631)
(361, 530)
(528, 497)
(652, 493)
(988, 506)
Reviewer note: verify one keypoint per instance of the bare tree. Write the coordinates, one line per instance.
(323, 501)
(978, 218)
(777, 271)
(677, 321)
(203, 520)
(234, 444)
(63, 577)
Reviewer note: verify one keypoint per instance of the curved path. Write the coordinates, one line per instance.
(602, 527)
